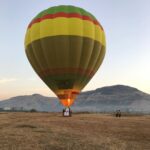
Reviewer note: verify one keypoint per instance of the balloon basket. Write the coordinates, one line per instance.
(67, 112)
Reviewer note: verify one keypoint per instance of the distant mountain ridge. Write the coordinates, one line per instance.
(28, 102)
(105, 99)
(110, 98)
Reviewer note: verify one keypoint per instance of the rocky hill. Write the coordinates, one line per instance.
(106, 99)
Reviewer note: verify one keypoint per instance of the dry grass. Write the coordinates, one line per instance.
(51, 131)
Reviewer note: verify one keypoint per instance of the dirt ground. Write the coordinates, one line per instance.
(51, 131)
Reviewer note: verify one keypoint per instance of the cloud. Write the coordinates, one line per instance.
(6, 80)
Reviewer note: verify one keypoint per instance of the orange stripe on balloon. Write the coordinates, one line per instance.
(66, 15)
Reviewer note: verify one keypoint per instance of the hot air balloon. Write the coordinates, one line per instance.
(65, 46)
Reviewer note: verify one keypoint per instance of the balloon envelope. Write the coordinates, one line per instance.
(65, 45)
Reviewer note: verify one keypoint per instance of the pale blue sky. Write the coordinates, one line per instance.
(127, 27)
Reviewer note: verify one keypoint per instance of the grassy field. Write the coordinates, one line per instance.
(51, 131)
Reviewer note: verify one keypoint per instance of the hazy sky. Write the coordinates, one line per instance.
(127, 61)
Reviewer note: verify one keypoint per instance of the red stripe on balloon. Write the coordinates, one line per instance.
(74, 92)
(66, 15)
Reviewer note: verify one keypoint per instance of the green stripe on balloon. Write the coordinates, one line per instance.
(64, 61)
(64, 53)
(69, 81)
(66, 9)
